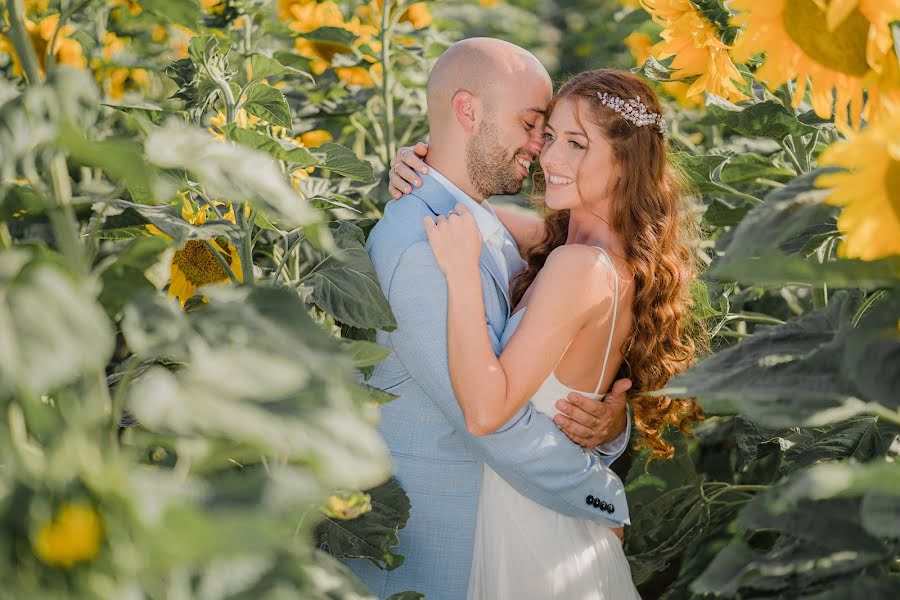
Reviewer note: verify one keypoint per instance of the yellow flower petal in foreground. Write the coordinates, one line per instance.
(74, 536)
(795, 36)
(417, 15)
(869, 190)
(694, 42)
(355, 76)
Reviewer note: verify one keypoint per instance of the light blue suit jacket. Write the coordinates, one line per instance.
(435, 459)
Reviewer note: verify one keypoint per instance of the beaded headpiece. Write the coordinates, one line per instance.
(634, 111)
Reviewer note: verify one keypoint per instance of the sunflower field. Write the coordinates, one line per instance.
(187, 310)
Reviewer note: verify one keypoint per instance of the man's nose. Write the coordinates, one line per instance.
(535, 144)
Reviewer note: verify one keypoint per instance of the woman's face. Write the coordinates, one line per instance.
(576, 159)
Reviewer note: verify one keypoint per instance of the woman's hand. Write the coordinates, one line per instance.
(455, 241)
(402, 175)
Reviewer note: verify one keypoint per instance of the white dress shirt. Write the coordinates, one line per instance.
(497, 241)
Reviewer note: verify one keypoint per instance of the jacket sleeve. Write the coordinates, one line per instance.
(610, 451)
(529, 452)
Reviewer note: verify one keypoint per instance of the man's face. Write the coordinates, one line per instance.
(509, 135)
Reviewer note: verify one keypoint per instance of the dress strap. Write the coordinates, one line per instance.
(612, 328)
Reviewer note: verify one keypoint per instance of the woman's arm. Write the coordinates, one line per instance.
(492, 390)
(525, 226)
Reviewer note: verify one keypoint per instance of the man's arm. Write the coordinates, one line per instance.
(529, 452)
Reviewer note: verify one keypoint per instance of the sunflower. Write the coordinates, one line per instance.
(869, 189)
(640, 46)
(833, 45)
(194, 265)
(314, 138)
(694, 42)
(66, 51)
(75, 535)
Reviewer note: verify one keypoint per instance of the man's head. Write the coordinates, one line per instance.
(487, 97)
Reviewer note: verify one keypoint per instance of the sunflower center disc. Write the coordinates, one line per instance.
(843, 49)
(198, 264)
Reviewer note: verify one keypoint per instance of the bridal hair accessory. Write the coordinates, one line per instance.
(634, 111)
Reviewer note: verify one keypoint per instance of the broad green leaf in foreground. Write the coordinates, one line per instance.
(784, 375)
(229, 171)
(51, 328)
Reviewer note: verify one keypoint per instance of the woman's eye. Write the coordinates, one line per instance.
(529, 126)
(548, 137)
(575, 145)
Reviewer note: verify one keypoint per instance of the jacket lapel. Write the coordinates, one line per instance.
(441, 202)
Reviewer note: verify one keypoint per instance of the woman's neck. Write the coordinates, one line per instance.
(593, 229)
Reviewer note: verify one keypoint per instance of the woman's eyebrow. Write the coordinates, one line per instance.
(581, 133)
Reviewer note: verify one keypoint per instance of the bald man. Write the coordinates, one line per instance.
(486, 99)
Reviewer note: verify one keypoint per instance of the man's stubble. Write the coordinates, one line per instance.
(491, 169)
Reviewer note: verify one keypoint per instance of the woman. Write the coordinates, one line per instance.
(607, 280)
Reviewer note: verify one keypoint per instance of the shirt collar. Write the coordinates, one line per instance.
(485, 217)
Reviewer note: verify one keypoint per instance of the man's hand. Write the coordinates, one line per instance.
(590, 422)
(402, 175)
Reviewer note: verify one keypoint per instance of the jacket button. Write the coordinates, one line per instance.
(596, 503)
(603, 506)
(590, 500)
(611, 509)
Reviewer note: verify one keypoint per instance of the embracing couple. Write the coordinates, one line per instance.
(500, 435)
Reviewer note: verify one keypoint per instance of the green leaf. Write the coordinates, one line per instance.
(229, 171)
(872, 352)
(286, 151)
(179, 12)
(750, 166)
(373, 534)
(259, 374)
(346, 286)
(784, 375)
(765, 119)
(52, 331)
(786, 215)
(774, 270)
(168, 219)
(121, 159)
(343, 161)
(370, 394)
(125, 277)
(406, 596)
(366, 354)
(260, 66)
(268, 103)
(21, 200)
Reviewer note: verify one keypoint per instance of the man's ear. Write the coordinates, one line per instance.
(464, 107)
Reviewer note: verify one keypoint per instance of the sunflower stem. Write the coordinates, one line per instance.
(288, 249)
(246, 250)
(62, 216)
(222, 262)
(5, 238)
(387, 82)
(793, 157)
(21, 42)
(801, 151)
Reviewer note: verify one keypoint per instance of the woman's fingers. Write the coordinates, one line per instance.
(411, 156)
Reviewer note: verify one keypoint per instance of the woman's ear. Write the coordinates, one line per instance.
(464, 107)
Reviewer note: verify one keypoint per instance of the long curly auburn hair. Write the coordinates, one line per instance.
(649, 212)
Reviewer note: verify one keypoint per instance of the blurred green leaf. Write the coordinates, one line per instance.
(229, 171)
(125, 276)
(52, 331)
(285, 151)
(366, 354)
(179, 12)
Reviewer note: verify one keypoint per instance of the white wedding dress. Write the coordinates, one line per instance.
(524, 551)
